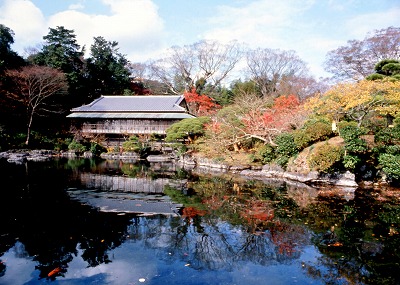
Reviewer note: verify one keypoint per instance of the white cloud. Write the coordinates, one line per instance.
(360, 25)
(26, 20)
(134, 24)
(259, 23)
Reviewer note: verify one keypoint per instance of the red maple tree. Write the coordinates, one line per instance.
(200, 105)
(267, 123)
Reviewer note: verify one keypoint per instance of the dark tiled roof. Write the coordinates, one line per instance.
(131, 115)
(134, 104)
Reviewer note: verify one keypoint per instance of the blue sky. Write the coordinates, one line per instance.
(145, 29)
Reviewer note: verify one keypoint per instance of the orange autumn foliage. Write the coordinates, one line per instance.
(200, 105)
(191, 212)
(285, 113)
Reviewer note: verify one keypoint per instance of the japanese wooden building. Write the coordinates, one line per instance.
(119, 116)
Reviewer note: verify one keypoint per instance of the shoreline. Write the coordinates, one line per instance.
(312, 178)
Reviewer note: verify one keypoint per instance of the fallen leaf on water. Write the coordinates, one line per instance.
(54, 272)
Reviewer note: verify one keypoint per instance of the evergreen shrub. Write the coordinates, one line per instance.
(76, 146)
(286, 148)
(325, 156)
(266, 153)
(390, 165)
(313, 131)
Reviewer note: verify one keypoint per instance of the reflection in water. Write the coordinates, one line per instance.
(125, 194)
(81, 222)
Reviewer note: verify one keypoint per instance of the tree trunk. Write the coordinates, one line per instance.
(28, 133)
(236, 147)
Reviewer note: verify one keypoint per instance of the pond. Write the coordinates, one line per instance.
(114, 222)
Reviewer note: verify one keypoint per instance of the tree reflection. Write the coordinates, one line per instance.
(225, 222)
(367, 231)
(239, 224)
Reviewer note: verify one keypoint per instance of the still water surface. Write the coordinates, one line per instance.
(112, 222)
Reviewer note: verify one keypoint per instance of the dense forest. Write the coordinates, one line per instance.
(252, 105)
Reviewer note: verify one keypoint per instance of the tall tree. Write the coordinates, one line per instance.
(36, 85)
(62, 51)
(270, 68)
(9, 59)
(357, 59)
(108, 68)
(204, 62)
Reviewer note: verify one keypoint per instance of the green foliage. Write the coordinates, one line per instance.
(393, 149)
(224, 97)
(76, 146)
(134, 144)
(286, 148)
(180, 149)
(390, 215)
(17, 140)
(239, 88)
(107, 68)
(187, 128)
(375, 76)
(264, 153)
(390, 165)
(282, 161)
(61, 144)
(355, 146)
(97, 149)
(325, 157)
(314, 130)
(388, 135)
(9, 59)
(285, 145)
(351, 136)
(350, 162)
(387, 68)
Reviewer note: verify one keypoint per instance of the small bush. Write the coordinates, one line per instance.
(351, 136)
(187, 128)
(350, 162)
(393, 149)
(325, 157)
(285, 145)
(390, 165)
(282, 161)
(266, 153)
(286, 148)
(134, 144)
(97, 149)
(388, 135)
(313, 131)
(76, 146)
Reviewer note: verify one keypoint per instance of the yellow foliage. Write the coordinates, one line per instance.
(357, 99)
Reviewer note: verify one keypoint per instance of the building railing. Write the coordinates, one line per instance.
(123, 129)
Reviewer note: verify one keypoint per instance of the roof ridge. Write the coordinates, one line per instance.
(95, 101)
